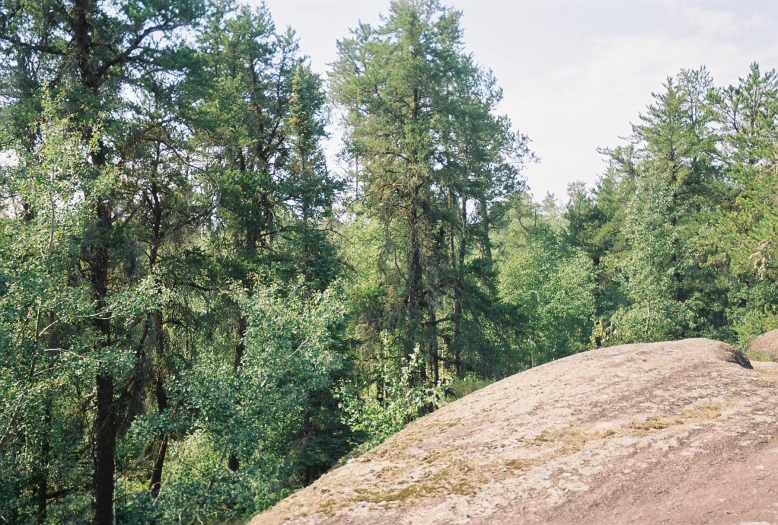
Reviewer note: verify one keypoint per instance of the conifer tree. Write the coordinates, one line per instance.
(418, 114)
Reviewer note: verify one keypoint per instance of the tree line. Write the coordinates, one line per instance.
(198, 315)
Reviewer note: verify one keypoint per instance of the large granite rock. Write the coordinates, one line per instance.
(681, 432)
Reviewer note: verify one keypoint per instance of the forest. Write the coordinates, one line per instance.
(200, 314)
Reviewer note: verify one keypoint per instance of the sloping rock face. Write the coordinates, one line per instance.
(681, 432)
(766, 344)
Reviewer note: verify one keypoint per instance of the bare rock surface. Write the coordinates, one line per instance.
(681, 432)
(766, 345)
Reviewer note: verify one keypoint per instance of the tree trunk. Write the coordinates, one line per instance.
(105, 450)
(162, 404)
(415, 273)
(458, 265)
(433, 353)
(155, 485)
(105, 423)
(414, 287)
(486, 243)
(159, 463)
(240, 346)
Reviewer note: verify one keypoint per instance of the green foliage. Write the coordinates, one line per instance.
(44, 311)
(459, 388)
(197, 318)
(139, 227)
(291, 358)
(432, 162)
(678, 230)
(376, 411)
(550, 286)
(647, 274)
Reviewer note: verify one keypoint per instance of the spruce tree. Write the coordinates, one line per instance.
(419, 123)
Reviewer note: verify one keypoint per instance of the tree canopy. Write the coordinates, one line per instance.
(201, 313)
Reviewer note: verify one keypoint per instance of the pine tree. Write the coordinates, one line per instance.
(418, 114)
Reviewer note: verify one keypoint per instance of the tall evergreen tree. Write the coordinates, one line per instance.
(419, 124)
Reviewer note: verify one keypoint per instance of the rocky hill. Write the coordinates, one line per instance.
(681, 432)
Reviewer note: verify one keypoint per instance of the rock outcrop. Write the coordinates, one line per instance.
(766, 345)
(681, 432)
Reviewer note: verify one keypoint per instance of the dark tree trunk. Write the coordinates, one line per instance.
(458, 266)
(155, 485)
(162, 404)
(487, 244)
(433, 353)
(452, 254)
(240, 347)
(414, 287)
(105, 450)
(105, 424)
(415, 270)
(159, 463)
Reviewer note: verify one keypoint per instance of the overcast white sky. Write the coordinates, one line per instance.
(575, 72)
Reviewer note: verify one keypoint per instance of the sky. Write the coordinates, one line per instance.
(575, 73)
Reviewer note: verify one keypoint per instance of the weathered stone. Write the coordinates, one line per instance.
(766, 345)
(680, 432)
